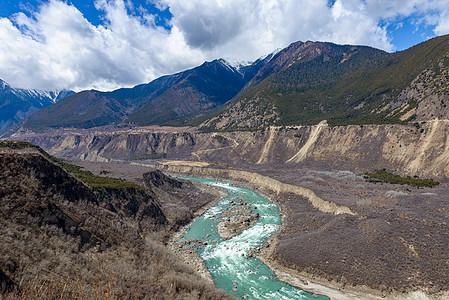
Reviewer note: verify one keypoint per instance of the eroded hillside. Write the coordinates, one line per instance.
(421, 149)
(62, 239)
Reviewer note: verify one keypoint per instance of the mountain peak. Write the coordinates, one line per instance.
(4, 85)
(168, 100)
(237, 64)
(345, 84)
(17, 104)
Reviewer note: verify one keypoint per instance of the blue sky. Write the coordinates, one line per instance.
(106, 44)
(86, 7)
(407, 32)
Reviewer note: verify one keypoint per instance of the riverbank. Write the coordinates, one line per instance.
(314, 284)
(305, 282)
(190, 256)
(186, 253)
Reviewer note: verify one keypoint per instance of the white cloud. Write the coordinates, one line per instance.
(443, 24)
(242, 29)
(58, 48)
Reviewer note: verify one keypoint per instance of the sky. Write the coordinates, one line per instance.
(107, 44)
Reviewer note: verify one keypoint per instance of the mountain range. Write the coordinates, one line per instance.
(305, 83)
(17, 104)
(168, 100)
(309, 82)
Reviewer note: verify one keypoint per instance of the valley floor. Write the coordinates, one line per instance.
(393, 244)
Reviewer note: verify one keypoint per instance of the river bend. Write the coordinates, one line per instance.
(231, 262)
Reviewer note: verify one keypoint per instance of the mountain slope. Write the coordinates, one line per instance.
(17, 104)
(93, 108)
(309, 82)
(207, 86)
(166, 100)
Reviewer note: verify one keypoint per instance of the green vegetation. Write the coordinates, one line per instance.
(18, 145)
(384, 176)
(98, 182)
(152, 155)
(368, 75)
(345, 85)
(94, 181)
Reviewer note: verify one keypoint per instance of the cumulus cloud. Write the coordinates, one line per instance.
(241, 29)
(59, 48)
(56, 47)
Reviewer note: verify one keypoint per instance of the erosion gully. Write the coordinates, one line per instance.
(231, 262)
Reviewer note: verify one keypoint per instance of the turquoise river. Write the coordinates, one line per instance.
(228, 261)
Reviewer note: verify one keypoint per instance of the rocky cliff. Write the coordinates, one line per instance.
(180, 199)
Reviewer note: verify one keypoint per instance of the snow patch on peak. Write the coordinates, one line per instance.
(276, 51)
(52, 96)
(270, 55)
(227, 65)
(3, 85)
(238, 64)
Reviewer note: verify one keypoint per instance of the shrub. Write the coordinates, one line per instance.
(384, 176)
(152, 155)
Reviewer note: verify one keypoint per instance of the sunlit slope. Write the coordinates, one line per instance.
(309, 82)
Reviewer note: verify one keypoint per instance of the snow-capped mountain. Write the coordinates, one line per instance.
(17, 104)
